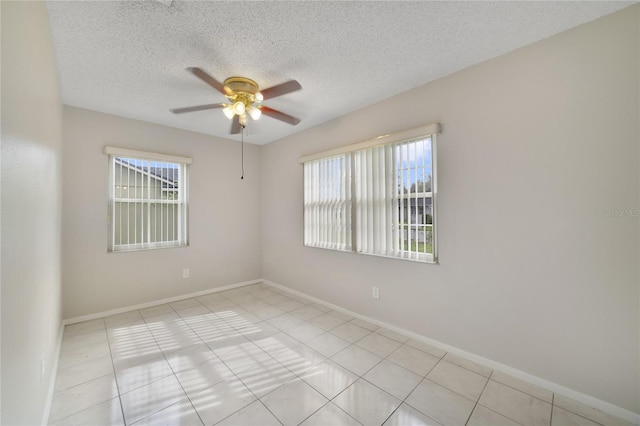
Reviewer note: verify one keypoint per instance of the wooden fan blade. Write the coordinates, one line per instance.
(202, 75)
(278, 115)
(195, 108)
(280, 89)
(235, 125)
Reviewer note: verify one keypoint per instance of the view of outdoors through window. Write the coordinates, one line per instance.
(415, 200)
(146, 203)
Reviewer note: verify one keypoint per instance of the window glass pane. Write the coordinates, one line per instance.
(416, 202)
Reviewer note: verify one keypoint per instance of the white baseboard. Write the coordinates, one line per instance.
(156, 302)
(519, 374)
(53, 375)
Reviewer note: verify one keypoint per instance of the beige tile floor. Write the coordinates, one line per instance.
(257, 356)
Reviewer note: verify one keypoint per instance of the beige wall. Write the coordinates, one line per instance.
(536, 146)
(31, 210)
(224, 216)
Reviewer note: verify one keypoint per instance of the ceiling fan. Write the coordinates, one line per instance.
(244, 97)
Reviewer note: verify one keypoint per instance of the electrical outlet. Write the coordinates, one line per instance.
(375, 292)
(43, 369)
(185, 273)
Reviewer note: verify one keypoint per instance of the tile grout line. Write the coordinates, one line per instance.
(171, 367)
(404, 399)
(329, 401)
(525, 392)
(424, 377)
(115, 377)
(553, 405)
(154, 381)
(267, 408)
(80, 384)
(479, 396)
(493, 410)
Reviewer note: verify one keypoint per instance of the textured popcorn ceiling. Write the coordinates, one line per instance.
(129, 57)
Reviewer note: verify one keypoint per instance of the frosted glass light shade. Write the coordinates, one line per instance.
(239, 108)
(228, 112)
(254, 112)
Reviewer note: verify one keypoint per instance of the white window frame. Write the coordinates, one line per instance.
(430, 131)
(180, 203)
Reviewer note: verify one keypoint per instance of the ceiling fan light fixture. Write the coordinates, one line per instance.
(243, 98)
(239, 108)
(228, 112)
(254, 112)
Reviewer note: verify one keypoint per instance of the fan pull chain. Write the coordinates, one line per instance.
(242, 151)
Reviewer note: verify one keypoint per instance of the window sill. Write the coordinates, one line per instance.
(146, 247)
(422, 258)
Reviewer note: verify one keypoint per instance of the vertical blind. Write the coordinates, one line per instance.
(327, 202)
(374, 198)
(147, 203)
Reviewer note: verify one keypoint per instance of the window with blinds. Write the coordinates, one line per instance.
(386, 188)
(147, 200)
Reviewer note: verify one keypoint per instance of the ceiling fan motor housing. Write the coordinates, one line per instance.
(242, 85)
